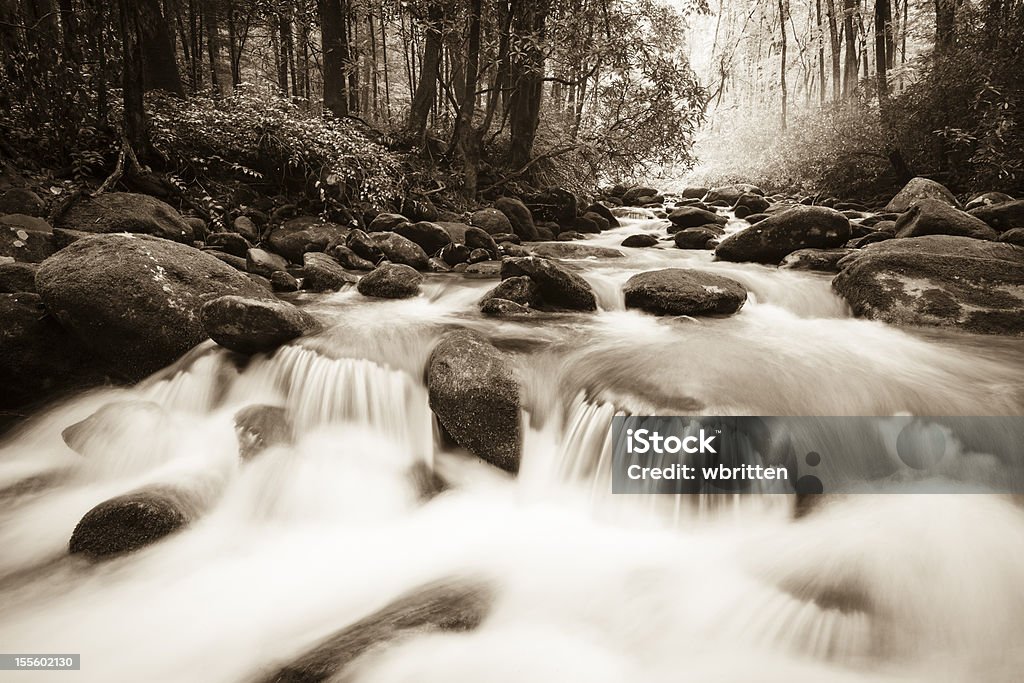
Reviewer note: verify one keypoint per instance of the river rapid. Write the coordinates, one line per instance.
(589, 587)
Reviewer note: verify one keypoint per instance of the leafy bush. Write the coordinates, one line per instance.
(269, 141)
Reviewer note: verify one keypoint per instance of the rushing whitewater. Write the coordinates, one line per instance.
(305, 539)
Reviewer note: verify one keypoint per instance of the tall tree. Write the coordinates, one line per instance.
(159, 64)
(883, 14)
(334, 43)
(782, 68)
(430, 69)
(530, 17)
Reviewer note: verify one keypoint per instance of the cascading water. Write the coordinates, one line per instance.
(321, 529)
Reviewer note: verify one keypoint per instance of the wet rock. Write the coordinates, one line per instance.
(988, 199)
(510, 249)
(245, 227)
(491, 221)
(386, 222)
(134, 300)
(507, 237)
(597, 219)
(800, 227)
(697, 238)
(25, 238)
(479, 255)
(436, 265)
(918, 189)
(321, 273)
(756, 217)
(126, 523)
(521, 290)
(391, 281)
(21, 200)
(569, 235)
(559, 287)
(503, 308)
(260, 280)
(640, 240)
(419, 208)
(304, 234)
(871, 238)
(886, 226)
(456, 231)
(429, 236)
(638, 196)
(935, 217)
(818, 260)
(574, 250)
(476, 238)
(450, 605)
(283, 281)
(262, 262)
(364, 247)
(254, 326)
(604, 212)
(547, 231)
(1002, 216)
(937, 281)
(115, 425)
(398, 249)
(693, 193)
(519, 216)
(585, 225)
(677, 291)
(454, 254)
(484, 270)
(1013, 236)
(38, 358)
(348, 258)
(113, 212)
(728, 194)
(259, 427)
(692, 217)
(229, 242)
(235, 262)
(753, 203)
(17, 277)
(475, 396)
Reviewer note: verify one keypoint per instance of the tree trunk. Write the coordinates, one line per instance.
(212, 25)
(833, 30)
(430, 65)
(527, 78)
(821, 57)
(850, 32)
(159, 64)
(782, 67)
(333, 42)
(882, 14)
(466, 140)
(282, 55)
(132, 56)
(945, 24)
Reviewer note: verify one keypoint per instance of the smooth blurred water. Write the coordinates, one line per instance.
(305, 539)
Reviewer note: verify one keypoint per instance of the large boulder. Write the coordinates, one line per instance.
(988, 199)
(477, 238)
(254, 325)
(936, 217)
(26, 238)
(703, 237)
(800, 227)
(519, 216)
(386, 222)
(604, 212)
(364, 246)
(691, 217)
(429, 236)
(348, 258)
(1013, 236)
(559, 287)
(262, 262)
(475, 396)
(641, 239)
(918, 189)
(134, 300)
(391, 281)
(492, 221)
(398, 249)
(753, 203)
(730, 193)
(321, 273)
(126, 212)
(574, 250)
(304, 234)
(39, 358)
(678, 291)
(229, 242)
(818, 260)
(1003, 216)
(520, 290)
(939, 281)
(640, 195)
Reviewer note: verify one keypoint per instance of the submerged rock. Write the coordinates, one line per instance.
(559, 287)
(114, 212)
(939, 281)
(475, 396)
(254, 326)
(259, 427)
(820, 260)
(569, 250)
(678, 291)
(449, 605)
(799, 227)
(391, 281)
(134, 300)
